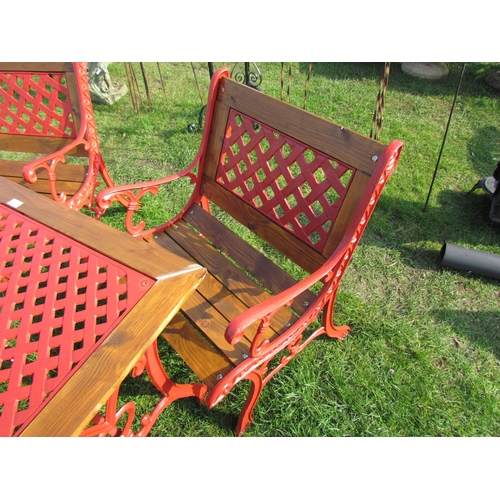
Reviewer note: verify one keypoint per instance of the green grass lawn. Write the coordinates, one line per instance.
(423, 358)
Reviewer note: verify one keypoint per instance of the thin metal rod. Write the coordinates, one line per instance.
(136, 85)
(307, 83)
(133, 91)
(282, 78)
(161, 80)
(143, 70)
(197, 84)
(445, 134)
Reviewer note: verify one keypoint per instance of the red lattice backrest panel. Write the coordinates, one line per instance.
(296, 186)
(57, 300)
(35, 104)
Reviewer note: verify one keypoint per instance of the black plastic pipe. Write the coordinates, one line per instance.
(467, 259)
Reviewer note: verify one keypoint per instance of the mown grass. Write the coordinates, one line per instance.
(423, 358)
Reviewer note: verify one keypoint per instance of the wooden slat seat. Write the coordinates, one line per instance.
(303, 186)
(69, 180)
(226, 292)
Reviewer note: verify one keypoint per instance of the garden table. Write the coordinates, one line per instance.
(81, 305)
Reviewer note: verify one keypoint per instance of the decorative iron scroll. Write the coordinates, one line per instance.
(249, 78)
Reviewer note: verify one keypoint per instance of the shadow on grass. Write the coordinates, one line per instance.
(484, 149)
(460, 218)
(480, 327)
(473, 83)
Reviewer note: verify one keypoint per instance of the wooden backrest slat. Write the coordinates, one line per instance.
(330, 138)
(71, 173)
(275, 235)
(215, 140)
(42, 67)
(254, 262)
(346, 212)
(73, 95)
(34, 144)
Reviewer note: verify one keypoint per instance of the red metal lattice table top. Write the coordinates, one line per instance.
(58, 301)
(298, 187)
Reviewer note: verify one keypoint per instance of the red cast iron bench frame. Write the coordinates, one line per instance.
(302, 184)
(46, 109)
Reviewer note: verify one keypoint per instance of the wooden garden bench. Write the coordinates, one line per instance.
(46, 118)
(302, 184)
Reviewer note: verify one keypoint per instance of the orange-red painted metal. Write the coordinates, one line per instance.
(36, 104)
(293, 184)
(132, 193)
(108, 424)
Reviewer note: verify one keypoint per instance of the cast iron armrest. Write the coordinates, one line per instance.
(129, 195)
(50, 162)
(329, 273)
(125, 194)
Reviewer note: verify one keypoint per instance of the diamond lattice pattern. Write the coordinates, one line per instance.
(296, 186)
(35, 104)
(58, 299)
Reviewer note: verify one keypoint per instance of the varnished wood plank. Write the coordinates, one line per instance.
(43, 187)
(332, 139)
(213, 325)
(36, 67)
(253, 261)
(233, 278)
(122, 247)
(34, 144)
(73, 96)
(282, 240)
(223, 304)
(65, 172)
(211, 288)
(214, 292)
(216, 139)
(196, 352)
(68, 412)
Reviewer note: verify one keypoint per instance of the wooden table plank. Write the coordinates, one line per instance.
(132, 252)
(68, 412)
